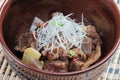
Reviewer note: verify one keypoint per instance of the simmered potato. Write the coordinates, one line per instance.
(30, 53)
(36, 63)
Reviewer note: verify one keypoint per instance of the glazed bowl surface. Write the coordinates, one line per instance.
(17, 15)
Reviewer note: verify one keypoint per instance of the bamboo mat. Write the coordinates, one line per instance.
(111, 73)
(5, 70)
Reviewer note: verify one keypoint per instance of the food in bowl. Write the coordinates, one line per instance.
(59, 44)
(17, 16)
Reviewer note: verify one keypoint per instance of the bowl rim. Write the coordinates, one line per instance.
(3, 10)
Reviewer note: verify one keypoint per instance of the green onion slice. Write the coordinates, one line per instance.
(72, 53)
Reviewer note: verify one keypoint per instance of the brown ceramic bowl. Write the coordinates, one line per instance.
(17, 15)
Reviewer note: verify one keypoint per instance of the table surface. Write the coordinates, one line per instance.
(111, 73)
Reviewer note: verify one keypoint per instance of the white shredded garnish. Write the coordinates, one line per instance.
(61, 32)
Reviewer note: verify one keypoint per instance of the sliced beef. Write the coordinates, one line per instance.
(93, 57)
(79, 63)
(64, 54)
(92, 31)
(87, 46)
(56, 66)
(25, 40)
(78, 60)
(94, 35)
(51, 56)
(56, 54)
(75, 65)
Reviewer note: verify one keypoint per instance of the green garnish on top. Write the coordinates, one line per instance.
(61, 24)
(72, 53)
(42, 63)
(53, 23)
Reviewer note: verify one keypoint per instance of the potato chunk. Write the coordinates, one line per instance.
(30, 53)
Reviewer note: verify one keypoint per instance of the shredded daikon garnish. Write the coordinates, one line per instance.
(61, 32)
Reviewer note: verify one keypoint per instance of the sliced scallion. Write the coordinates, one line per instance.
(72, 53)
